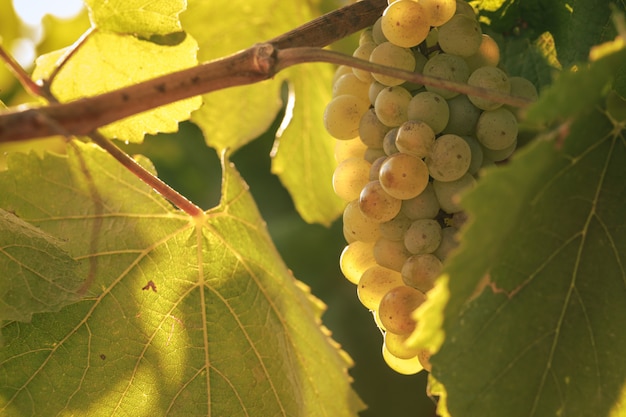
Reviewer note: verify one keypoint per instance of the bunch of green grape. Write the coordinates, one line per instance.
(406, 151)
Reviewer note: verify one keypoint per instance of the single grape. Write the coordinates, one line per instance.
(395, 228)
(389, 142)
(363, 52)
(403, 176)
(342, 116)
(375, 88)
(449, 158)
(463, 116)
(355, 259)
(488, 54)
(366, 36)
(377, 32)
(350, 177)
(396, 308)
(405, 23)
(497, 129)
(391, 104)
(409, 366)
(521, 87)
(493, 79)
(461, 36)
(423, 236)
(375, 168)
(357, 226)
(349, 148)
(395, 344)
(349, 84)
(341, 70)
(375, 282)
(424, 206)
(447, 67)
(499, 155)
(420, 271)
(477, 154)
(377, 204)
(392, 56)
(372, 154)
(448, 243)
(439, 11)
(415, 137)
(448, 192)
(371, 130)
(390, 254)
(431, 109)
(464, 8)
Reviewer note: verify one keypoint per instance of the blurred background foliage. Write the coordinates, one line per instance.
(185, 162)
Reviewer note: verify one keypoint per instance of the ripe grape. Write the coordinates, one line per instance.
(496, 129)
(377, 204)
(343, 114)
(431, 109)
(420, 271)
(439, 11)
(392, 56)
(493, 79)
(423, 236)
(351, 85)
(447, 67)
(396, 308)
(350, 177)
(371, 130)
(394, 229)
(488, 54)
(390, 253)
(357, 226)
(448, 243)
(355, 259)
(461, 35)
(403, 176)
(424, 206)
(396, 345)
(405, 23)
(409, 366)
(375, 282)
(448, 192)
(391, 105)
(449, 158)
(416, 138)
(463, 116)
(363, 52)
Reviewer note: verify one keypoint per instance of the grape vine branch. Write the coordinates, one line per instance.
(259, 62)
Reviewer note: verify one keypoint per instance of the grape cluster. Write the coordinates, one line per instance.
(405, 151)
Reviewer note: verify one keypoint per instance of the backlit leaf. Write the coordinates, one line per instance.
(184, 316)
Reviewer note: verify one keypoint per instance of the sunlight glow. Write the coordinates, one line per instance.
(32, 11)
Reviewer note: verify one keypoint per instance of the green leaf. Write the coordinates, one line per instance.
(538, 288)
(108, 61)
(37, 274)
(575, 92)
(185, 316)
(231, 118)
(141, 17)
(303, 155)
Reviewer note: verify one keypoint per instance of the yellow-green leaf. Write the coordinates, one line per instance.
(184, 316)
(108, 61)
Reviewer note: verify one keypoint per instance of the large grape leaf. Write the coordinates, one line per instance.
(107, 61)
(37, 273)
(182, 316)
(231, 118)
(303, 155)
(534, 323)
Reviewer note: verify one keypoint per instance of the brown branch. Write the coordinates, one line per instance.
(80, 117)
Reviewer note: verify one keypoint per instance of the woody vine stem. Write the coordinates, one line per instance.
(260, 62)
